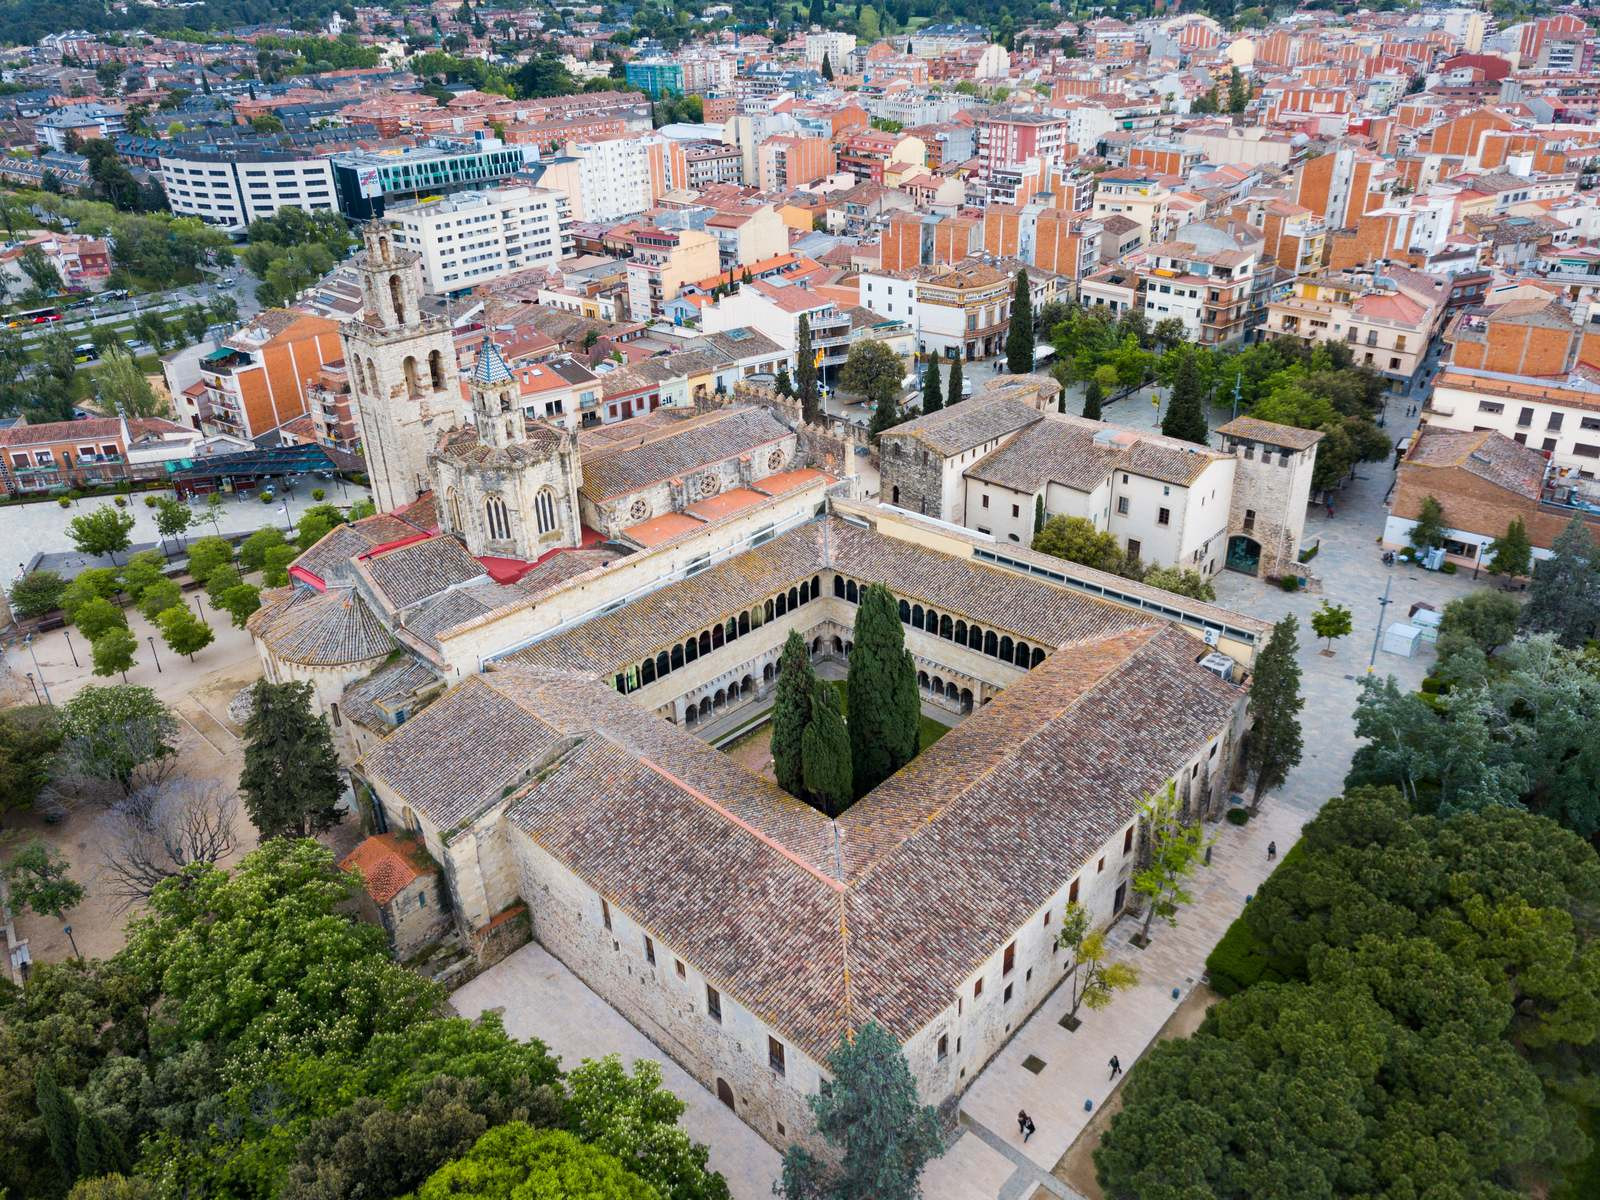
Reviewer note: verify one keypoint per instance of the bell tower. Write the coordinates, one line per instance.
(496, 408)
(402, 368)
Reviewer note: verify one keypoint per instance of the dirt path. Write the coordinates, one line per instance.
(1076, 1168)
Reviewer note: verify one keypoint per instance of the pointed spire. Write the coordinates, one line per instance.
(490, 368)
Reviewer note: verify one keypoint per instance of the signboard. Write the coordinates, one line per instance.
(368, 182)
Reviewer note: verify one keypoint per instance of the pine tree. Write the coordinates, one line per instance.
(806, 373)
(783, 385)
(1186, 410)
(932, 398)
(1093, 398)
(100, 1151)
(1511, 552)
(885, 711)
(827, 68)
(826, 752)
(952, 389)
(60, 1116)
(282, 730)
(791, 713)
(1564, 597)
(1275, 744)
(1038, 515)
(874, 1114)
(1019, 340)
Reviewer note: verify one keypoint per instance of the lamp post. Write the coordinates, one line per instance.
(35, 687)
(200, 612)
(1383, 604)
(68, 633)
(38, 668)
(153, 653)
(67, 929)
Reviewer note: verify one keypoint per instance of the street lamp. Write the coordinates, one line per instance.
(74, 653)
(1383, 605)
(35, 687)
(68, 930)
(200, 612)
(153, 653)
(33, 655)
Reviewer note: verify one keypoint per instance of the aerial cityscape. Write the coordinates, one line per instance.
(644, 601)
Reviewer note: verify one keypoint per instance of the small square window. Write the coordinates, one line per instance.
(1010, 959)
(986, 501)
(1072, 893)
(1100, 867)
(775, 1054)
(1127, 839)
(1122, 505)
(944, 1046)
(1163, 516)
(1006, 999)
(678, 963)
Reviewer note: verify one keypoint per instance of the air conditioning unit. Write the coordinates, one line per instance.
(1219, 665)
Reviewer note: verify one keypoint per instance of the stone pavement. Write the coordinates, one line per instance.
(538, 997)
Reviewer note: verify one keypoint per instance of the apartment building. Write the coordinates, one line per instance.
(472, 237)
(231, 185)
(1009, 140)
(835, 48)
(89, 453)
(1387, 320)
(961, 309)
(78, 122)
(1138, 195)
(706, 164)
(333, 418)
(1204, 278)
(790, 161)
(613, 178)
(663, 261)
(260, 378)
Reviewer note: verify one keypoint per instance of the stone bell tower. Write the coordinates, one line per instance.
(402, 369)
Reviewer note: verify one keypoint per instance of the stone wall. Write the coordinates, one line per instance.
(912, 477)
(416, 916)
(1269, 504)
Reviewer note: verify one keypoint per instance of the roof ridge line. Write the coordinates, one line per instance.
(766, 839)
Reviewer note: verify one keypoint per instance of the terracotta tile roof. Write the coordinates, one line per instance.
(393, 681)
(1490, 456)
(411, 573)
(330, 558)
(321, 629)
(681, 449)
(967, 424)
(388, 865)
(462, 446)
(1050, 450)
(1287, 436)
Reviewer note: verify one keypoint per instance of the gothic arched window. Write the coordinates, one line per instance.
(499, 520)
(410, 365)
(436, 370)
(455, 511)
(544, 510)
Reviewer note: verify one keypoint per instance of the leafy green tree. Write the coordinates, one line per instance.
(114, 651)
(184, 632)
(38, 879)
(253, 550)
(1019, 338)
(97, 616)
(103, 530)
(1038, 515)
(791, 713)
(141, 570)
(825, 752)
(60, 1116)
(1564, 598)
(119, 733)
(516, 1162)
(1487, 620)
(953, 391)
(93, 583)
(1186, 408)
(158, 597)
(100, 1151)
(282, 728)
(219, 581)
(36, 593)
(783, 385)
(1181, 581)
(1077, 540)
(1173, 848)
(634, 1119)
(1274, 745)
(173, 517)
(1093, 399)
(1238, 91)
(123, 388)
(114, 1186)
(806, 373)
(239, 602)
(1429, 530)
(874, 371)
(1512, 552)
(885, 710)
(206, 555)
(316, 523)
(275, 565)
(873, 1115)
(29, 738)
(1092, 977)
(932, 397)
(1331, 621)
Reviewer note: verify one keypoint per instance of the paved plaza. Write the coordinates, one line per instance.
(986, 1157)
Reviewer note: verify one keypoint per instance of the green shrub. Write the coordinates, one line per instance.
(120, 501)
(64, 502)
(1238, 816)
(149, 501)
(266, 499)
(1430, 685)
(1307, 555)
(1448, 568)
(1237, 961)
(317, 493)
(1290, 583)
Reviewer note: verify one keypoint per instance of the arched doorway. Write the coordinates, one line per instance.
(1244, 554)
(724, 1092)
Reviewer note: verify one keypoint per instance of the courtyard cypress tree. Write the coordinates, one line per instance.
(1275, 743)
(1186, 410)
(932, 398)
(60, 1116)
(952, 391)
(885, 713)
(290, 781)
(873, 1113)
(791, 713)
(825, 749)
(805, 377)
(1019, 340)
(1093, 397)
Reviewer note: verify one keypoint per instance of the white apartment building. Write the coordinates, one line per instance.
(835, 47)
(471, 237)
(613, 177)
(231, 189)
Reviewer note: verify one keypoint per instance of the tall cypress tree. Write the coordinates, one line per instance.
(100, 1151)
(952, 391)
(60, 1116)
(791, 713)
(932, 398)
(1186, 410)
(1019, 340)
(806, 373)
(826, 752)
(1093, 396)
(290, 782)
(1038, 515)
(885, 712)
(1275, 744)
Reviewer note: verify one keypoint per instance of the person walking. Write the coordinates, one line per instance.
(1023, 1122)
(1116, 1066)
(1028, 1130)
(1272, 851)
